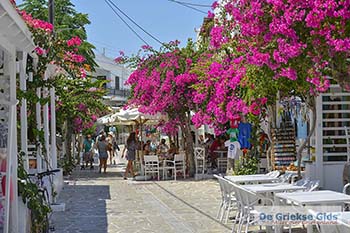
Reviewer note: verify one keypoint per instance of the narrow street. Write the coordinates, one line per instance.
(100, 203)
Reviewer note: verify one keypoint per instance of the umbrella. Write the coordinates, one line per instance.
(105, 119)
(132, 116)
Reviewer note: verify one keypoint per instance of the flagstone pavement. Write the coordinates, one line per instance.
(105, 203)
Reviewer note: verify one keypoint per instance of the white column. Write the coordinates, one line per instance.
(38, 125)
(53, 129)
(24, 123)
(11, 207)
(46, 129)
(319, 140)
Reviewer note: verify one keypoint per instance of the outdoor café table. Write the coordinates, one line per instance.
(323, 197)
(251, 179)
(272, 188)
(344, 221)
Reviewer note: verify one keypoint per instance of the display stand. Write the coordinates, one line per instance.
(284, 148)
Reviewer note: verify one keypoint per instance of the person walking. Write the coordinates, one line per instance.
(102, 147)
(110, 148)
(88, 155)
(130, 147)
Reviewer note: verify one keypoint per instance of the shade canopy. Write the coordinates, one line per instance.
(105, 120)
(132, 116)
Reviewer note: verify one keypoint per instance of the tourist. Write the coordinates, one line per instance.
(217, 145)
(162, 147)
(172, 150)
(110, 149)
(131, 147)
(102, 146)
(88, 155)
(201, 140)
(147, 147)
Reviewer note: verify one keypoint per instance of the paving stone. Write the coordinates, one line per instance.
(105, 203)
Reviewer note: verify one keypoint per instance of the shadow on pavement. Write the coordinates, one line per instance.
(85, 209)
(191, 206)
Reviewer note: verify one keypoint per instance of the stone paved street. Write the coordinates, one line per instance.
(106, 203)
(100, 203)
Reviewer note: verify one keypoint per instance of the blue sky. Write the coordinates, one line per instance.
(164, 19)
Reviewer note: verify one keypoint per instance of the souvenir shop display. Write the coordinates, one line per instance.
(284, 147)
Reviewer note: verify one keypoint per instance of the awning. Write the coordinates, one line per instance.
(133, 116)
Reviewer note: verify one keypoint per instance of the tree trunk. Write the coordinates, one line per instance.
(271, 110)
(311, 103)
(186, 130)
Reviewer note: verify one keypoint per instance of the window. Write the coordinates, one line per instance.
(117, 83)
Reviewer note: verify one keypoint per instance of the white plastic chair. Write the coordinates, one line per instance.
(273, 174)
(312, 185)
(346, 189)
(199, 157)
(177, 165)
(301, 182)
(285, 178)
(222, 164)
(151, 165)
(246, 200)
(228, 201)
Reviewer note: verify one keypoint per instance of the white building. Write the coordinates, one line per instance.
(16, 50)
(116, 74)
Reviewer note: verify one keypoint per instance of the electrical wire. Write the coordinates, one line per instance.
(191, 4)
(126, 23)
(186, 5)
(133, 21)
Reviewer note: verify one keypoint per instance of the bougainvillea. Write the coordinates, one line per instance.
(260, 47)
(162, 83)
(280, 34)
(77, 105)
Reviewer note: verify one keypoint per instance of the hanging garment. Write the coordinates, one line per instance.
(301, 128)
(232, 149)
(233, 132)
(245, 130)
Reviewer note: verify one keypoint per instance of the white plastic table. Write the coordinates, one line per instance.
(323, 197)
(343, 223)
(251, 179)
(344, 220)
(273, 187)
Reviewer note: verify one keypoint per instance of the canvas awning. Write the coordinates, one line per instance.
(134, 117)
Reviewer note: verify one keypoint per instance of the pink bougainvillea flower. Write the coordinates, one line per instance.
(39, 51)
(211, 15)
(119, 60)
(75, 41)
